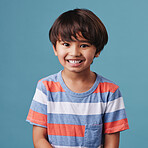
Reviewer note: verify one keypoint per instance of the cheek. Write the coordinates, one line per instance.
(90, 57)
(61, 54)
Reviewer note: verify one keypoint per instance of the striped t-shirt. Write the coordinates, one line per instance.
(77, 120)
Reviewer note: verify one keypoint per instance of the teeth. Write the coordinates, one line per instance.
(74, 61)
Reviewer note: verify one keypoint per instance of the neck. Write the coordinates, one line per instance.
(79, 82)
(76, 76)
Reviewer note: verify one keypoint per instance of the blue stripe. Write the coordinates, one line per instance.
(74, 119)
(114, 116)
(42, 87)
(38, 107)
(114, 95)
(64, 97)
(93, 98)
(86, 119)
(66, 140)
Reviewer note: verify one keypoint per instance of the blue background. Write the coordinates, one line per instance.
(26, 55)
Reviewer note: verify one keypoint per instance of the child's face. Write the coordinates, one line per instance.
(75, 56)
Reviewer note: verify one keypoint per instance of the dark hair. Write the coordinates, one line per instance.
(80, 22)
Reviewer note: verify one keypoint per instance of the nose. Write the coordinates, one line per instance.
(75, 51)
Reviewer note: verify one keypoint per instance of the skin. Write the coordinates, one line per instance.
(78, 77)
(40, 137)
(112, 140)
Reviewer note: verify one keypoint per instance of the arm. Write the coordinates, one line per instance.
(40, 137)
(112, 140)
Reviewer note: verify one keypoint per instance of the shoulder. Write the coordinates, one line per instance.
(41, 84)
(108, 89)
(106, 85)
(50, 83)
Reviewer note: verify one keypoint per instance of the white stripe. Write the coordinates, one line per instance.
(115, 105)
(76, 108)
(85, 108)
(40, 97)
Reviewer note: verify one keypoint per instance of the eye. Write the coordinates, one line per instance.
(66, 44)
(84, 45)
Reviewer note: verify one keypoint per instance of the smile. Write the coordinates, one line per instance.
(75, 61)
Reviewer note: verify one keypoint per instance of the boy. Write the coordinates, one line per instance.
(77, 107)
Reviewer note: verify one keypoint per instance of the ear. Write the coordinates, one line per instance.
(97, 54)
(55, 51)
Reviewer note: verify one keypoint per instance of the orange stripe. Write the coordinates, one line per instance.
(37, 118)
(106, 87)
(120, 125)
(66, 130)
(53, 86)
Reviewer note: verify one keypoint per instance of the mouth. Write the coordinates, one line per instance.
(75, 61)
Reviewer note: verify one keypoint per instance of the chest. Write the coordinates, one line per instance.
(63, 108)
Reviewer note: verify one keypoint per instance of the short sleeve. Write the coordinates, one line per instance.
(38, 110)
(115, 118)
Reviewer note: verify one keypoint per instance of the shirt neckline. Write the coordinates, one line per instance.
(80, 95)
